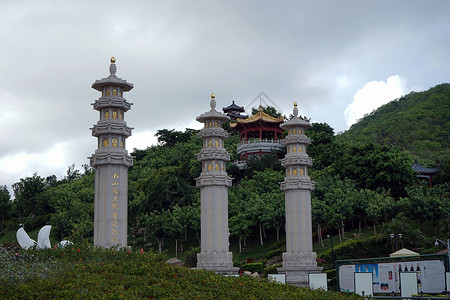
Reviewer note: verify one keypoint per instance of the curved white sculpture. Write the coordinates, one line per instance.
(24, 240)
(44, 237)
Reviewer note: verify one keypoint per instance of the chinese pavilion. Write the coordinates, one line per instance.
(424, 172)
(234, 111)
(259, 134)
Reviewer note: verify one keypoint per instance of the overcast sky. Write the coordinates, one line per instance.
(337, 59)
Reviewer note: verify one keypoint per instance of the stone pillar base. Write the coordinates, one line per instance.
(297, 266)
(218, 262)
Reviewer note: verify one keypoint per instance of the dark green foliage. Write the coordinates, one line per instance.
(270, 110)
(324, 148)
(37, 222)
(28, 196)
(190, 260)
(271, 270)
(374, 167)
(275, 252)
(88, 272)
(417, 122)
(412, 237)
(72, 204)
(5, 205)
(253, 267)
(364, 248)
(171, 137)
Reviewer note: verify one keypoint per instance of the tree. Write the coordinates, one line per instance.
(72, 204)
(169, 138)
(240, 221)
(380, 208)
(5, 204)
(270, 110)
(27, 200)
(72, 173)
(422, 204)
(158, 225)
(374, 167)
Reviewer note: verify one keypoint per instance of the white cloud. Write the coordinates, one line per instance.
(141, 140)
(374, 94)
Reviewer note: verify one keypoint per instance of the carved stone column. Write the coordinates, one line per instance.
(214, 183)
(299, 258)
(111, 161)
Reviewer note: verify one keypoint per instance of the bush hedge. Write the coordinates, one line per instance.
(253, 267)
(367, 248)
(92, 273)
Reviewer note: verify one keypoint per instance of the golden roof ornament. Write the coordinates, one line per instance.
(213, 102)
(112, 67)
(295, 110)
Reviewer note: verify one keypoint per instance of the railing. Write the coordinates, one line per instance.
(257, 141)
(257, 145)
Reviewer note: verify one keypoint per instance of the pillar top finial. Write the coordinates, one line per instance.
(213, 102)
(112, 67)
(295, 109)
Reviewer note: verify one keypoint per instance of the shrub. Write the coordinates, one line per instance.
(358, 248)
(190, 260)
(275, 252)
(96, 273)
(271, 270)
(253, 267)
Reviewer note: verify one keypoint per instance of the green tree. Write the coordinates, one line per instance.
(28, 196)
(240, 221)
(72, 204)
(270, 110)
(171, 137)
(158, 225)
(5, 205)
(374, 167)
(420, 204)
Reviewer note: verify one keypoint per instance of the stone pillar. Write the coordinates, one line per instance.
(214, 183)
(299, 258)
(111, 161)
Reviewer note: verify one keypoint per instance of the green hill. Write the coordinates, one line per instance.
(417, 122)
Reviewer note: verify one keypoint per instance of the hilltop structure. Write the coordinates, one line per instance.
(424, 172)
(111, 161)
(259, 134)
(299, 258)
(214, 183)
(234, 111)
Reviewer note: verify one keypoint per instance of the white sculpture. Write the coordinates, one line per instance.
(24, 240)
(65, 243)
(43, 239)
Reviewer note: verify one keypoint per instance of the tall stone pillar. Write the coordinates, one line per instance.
(214, 183)
(299, 258)
(111, 161)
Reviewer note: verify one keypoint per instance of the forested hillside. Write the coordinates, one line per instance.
(417, 122)
(363, 179)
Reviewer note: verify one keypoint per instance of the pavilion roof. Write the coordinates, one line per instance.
(423, 170)
(260, 116)
(233, 107)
